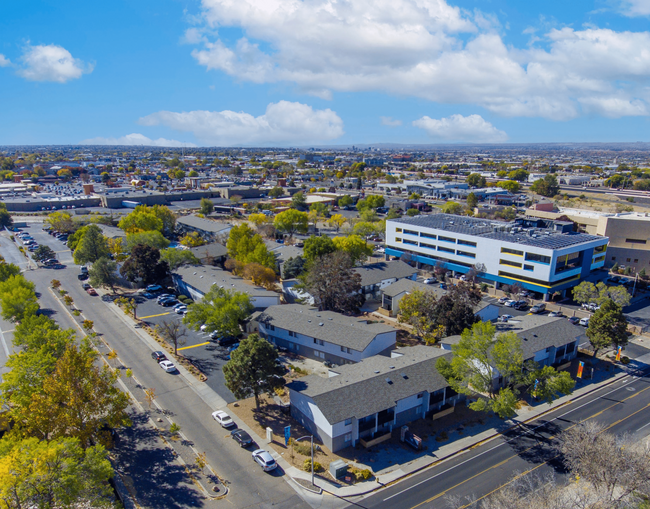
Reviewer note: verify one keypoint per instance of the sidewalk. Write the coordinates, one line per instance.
(395, 472)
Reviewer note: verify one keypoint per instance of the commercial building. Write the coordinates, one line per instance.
(323, 335)
(542, 259)
(364, 402)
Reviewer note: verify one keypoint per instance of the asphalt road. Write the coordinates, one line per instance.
(624, 407)
(250, 486)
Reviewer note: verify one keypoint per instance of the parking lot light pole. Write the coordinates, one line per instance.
(312, 455)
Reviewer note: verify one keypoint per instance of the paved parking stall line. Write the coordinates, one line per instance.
(194, 346)
(154, 316)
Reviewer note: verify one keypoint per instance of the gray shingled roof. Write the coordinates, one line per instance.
(202, 278)
(329, 326)
(213, 249)
(537, 332)
(362, 389)
(408, 285)
(207, 225)
(375, 273)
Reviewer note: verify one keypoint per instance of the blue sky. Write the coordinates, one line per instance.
(296, 73)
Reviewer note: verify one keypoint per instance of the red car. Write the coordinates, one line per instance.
(91, 291)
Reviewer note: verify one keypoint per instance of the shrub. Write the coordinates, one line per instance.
(306, 466)
(366, 474)
(303, 448)
(625, 360)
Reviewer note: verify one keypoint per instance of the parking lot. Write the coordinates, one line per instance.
(204, 353)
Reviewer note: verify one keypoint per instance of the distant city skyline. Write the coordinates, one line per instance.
(323, 72)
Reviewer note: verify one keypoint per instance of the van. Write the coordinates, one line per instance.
(538, 308)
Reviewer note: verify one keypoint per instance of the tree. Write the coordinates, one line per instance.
(477, 358)
(371, 202)
(618, 294)
(7, 270)
(17, 298)
(510, 185)
(176, 258)
(336, 222)
(355, 246)
(6, 221)
(607, 326)
(245, 246)
(452, 207)
(585, 292)
(545, 383)
(260, 275)
(103, 274)
(151, 238)
(60, 221)
(318, 209)
(333, 283)
(519, 175)
(276, 192)
(167, 217)
(142, 219)
(259, 219)
(207, 207)
(547, 186)
(117, 247)
(293, 267)
(418, 310)
(291, 221)
(192, 239)
(316, 247)
(221, 310)
(298, 201)
(52, 474)
(345, 201)
(173, 332)
(76, 400)
(145, 265)
(476, 180)
(91, 247)
(472, 201)
(253, 369)
(43, 253)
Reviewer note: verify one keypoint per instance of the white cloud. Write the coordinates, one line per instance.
(51, 63)
(415, 48)
(284, 123)
(137, 139)
(634, 8)
(472, 128)
(4, 61)
(390, 122)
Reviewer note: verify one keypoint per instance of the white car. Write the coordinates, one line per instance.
(204, 327)
(264, 459)
(584, 322)
(505, 318)
(503, 300)
(510, 303)
(180, 309)
(223, 418)
(430, 281)
(168, 366)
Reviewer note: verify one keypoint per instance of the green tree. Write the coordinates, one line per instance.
(336, 221)
(510, 185)
(253, 369)
(476, 180)
(316, 247)
(176, 258)
(103, 274)
(291, 222)
(245, 246)
(547, 186)
(585, 292)
(333, 283)
(618, 294)
(519, 175)
(144, 265)
(276, 192)
(298, 201)
(43, 253)
(293, 267)
(607, 327)
(17, 298)
(91, 247)
(221, 310)
(393, 213)
(345, 201)
(6, 221)
(372, 202)
(319, 209)
(452, 207)
(358, 249)
(53, 474)
(60, 221)
(207, 207)
(142, 219)
(472, 201)
(418, 309)
(151, 238)
(7, 270)
(545, 383)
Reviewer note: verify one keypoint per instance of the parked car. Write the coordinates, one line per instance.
(430, 281)
(163, 297)
(83, 269)
(520, 305)
(148, 295)
(538, 308)
(503, 300)
(153, 288)
(180, 309)
(584, 322)
(574, 320)
(510, 303)
(85, 286)
(505, 318)
(82, 276)
(169, 302)
(223, 418)
(264, 459)
(555, 313)
(241, 437)
(32, 247)
(158, 356)
(443, 286)
(92, 291)
(168, 366)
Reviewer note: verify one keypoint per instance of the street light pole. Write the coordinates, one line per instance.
(311, 437)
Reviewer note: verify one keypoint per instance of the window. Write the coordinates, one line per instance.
(447, 250)
(410, 232)
(271, 327)
(345, 350)
(507, 250)
(635, 241)
(529, 267)
(347, 437)
(397, 239)
(427, 235)
(628, 260)
(428, 246)
(466, 243)
(600, 249)
(465, 253)
(446, 239)
(534, 257)
(613, 258)
(406, 241)
(636, 260)
(348, 421)
(398, 230)
(420, 396)
(512, 264)
(293, 334)
(318, 342)
(602, 257)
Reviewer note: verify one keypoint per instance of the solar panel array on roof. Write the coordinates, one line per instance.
(508, 232)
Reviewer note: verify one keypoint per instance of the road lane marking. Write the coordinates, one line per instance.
(4, 343)
(511, 439)
(645, 425)
(194, 346)
(153, 316)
